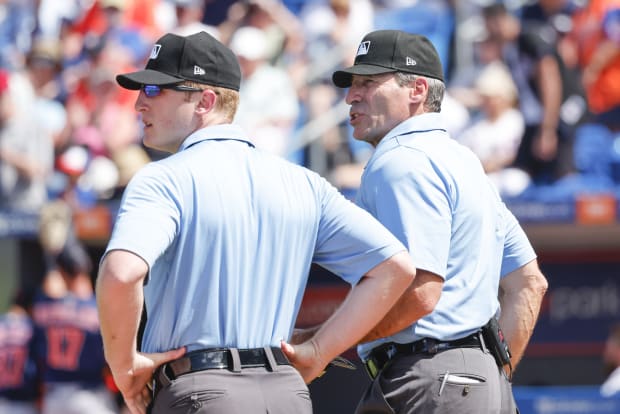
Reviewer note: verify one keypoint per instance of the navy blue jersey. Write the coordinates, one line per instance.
(18, 373)
(68, 342)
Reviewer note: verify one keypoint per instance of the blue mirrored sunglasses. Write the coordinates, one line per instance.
(152, 91)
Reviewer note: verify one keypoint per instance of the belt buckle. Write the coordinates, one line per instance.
(372, 368)
(378, 358)
(431, 346)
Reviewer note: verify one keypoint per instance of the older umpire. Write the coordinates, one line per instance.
(218, 239)
(432, 193)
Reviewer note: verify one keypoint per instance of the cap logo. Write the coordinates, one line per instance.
(198, 70)
(410, 62)
(363, 48)
(155, 52)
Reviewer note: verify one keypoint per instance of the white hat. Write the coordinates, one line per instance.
(496, 80)
(249, 43)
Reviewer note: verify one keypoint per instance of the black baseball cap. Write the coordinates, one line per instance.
(198, 58)
(385, 51)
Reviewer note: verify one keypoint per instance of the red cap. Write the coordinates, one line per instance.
(4, 81)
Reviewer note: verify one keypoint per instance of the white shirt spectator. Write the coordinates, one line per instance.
(269, 105)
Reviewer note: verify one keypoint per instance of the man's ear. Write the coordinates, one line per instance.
(207, 101)
(418, 90)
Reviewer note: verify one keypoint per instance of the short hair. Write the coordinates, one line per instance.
(74, 259)
(436, 89)
(228, 99)
(494, 10)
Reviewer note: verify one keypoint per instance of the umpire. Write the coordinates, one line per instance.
(432, 193)
(218, 239)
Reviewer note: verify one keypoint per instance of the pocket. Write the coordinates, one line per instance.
(462, 393)
(195, 400)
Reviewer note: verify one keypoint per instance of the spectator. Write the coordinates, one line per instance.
(17, 22)
(269, 106)
(53, 15)
(26, 151)
(19, 389)
(595, 45)
(495, 134)
(189, 14)
(282, 29)
(5, 101)
(331, 28)
(545, 150)
(68, 340)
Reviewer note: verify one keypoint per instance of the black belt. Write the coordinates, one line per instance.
(224, 359)
(218, 358)
(380, 355)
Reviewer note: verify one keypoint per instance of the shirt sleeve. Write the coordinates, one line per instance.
(517, 248)
(351, 241)
(414, 204)
(148, 219)
(537, 41)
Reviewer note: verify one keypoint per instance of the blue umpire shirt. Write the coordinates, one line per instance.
(229, 234)
(432, 193)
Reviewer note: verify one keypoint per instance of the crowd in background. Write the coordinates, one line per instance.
(532, 89)
(522, 78)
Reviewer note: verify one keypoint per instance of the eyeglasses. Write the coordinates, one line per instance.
(152, 91)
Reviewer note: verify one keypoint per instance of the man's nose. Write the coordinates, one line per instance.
(352, 95)
(140, 104)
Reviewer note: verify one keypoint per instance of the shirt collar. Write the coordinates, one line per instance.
(217, 132)
(419, 123)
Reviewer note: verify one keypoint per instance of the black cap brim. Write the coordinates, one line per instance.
(342, 78)
(135, 80)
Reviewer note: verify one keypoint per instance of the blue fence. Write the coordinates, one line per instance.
(564, 400)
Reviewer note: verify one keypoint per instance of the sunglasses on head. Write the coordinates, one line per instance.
(152, 91)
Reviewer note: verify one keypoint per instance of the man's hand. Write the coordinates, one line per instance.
(545, 145)
(301, 335)
(306, 359)
(132, 382)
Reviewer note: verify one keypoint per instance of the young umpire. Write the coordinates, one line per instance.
(218, 239)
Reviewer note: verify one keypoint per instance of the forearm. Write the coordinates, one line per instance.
(520, 301)
(417, 301)
(550, 87)
(119, 304)
(363, 308)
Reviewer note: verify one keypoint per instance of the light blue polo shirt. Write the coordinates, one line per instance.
(433, 194)
(229, 234)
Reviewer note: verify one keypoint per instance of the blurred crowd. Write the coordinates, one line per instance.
(532, 89)
(523, 77)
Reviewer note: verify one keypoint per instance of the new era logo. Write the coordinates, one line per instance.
(363, 48)
(155, 52)
(199, 71)
(410, 62)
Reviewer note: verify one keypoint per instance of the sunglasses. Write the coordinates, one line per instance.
(152, 91)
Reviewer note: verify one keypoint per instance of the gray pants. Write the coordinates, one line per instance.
(253, 390)
(461, 380)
